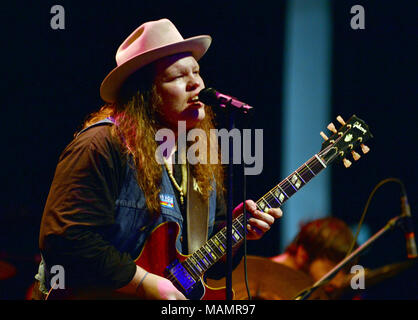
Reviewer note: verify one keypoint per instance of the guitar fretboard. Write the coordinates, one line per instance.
(215, 248)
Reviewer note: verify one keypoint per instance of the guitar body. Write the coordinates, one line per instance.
(160, 251)
(157, 254)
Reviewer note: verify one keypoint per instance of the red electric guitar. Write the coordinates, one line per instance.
(160, 256)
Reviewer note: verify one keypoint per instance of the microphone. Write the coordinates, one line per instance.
(211, 97)
(411, 246)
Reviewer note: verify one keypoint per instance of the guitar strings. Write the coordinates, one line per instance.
(313, 164)
(309, 166)
(285, 184)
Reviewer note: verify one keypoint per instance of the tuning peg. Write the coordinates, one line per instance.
(355, 155)
(340, 120)
(364, 148)
(331, 128)
(346, 162)
(324, 136)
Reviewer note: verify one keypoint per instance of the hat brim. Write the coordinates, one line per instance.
(112, 83)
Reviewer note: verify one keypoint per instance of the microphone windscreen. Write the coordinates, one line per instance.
(208, 96)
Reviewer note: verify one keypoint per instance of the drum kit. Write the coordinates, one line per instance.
(7, 270)
(268, 280)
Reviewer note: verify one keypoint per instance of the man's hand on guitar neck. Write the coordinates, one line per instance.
(258, 222)
(151, 286)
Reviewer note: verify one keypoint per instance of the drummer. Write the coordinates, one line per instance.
(319, 246)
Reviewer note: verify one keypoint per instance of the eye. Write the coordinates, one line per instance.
(175, 77)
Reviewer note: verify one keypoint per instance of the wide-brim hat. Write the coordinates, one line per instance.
(149, 42)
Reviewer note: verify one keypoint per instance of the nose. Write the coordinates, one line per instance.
(195, 82)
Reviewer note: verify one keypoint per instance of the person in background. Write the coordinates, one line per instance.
(318, 247)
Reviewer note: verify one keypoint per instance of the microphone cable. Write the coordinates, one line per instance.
(245, 234)
(381, 183)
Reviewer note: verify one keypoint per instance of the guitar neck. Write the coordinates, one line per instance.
(215, 248)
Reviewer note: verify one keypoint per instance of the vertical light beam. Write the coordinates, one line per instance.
(306, 107)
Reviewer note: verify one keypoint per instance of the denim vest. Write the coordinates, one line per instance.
(133, 223)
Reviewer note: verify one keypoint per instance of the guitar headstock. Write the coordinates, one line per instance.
(344, 141)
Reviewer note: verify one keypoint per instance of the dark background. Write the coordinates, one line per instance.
(51, 81)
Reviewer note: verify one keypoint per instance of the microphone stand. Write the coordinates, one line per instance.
(232, 110)
(227, 103)
(229, 254)
(326, 278)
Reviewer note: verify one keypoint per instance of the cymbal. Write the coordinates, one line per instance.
(6, 270)
(376, 276)
(268, 280)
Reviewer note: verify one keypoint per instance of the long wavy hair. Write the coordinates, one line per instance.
(136, 115)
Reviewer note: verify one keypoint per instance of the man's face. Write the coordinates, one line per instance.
(321, 266)
(177, 82)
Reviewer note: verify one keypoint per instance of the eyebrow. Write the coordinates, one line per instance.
(185, 68)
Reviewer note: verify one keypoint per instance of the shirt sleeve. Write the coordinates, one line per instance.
(81, 204)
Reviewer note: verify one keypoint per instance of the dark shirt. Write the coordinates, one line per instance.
(81, 203)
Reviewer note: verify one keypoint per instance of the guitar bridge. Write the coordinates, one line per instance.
(182, 278)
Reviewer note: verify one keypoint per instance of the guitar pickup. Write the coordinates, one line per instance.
(182, 277)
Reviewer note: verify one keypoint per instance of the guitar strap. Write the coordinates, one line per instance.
(197, 213)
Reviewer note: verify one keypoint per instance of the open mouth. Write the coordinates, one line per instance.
(195, 99)
(195, 102)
